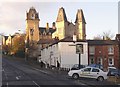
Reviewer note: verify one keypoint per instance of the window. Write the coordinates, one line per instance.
(111, 61)
(110, 50)
(92, 50)
(95, 70)
(87, 69)
(91, 60)
(33, 16)
(100, 61)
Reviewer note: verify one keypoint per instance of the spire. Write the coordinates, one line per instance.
(61, 15)
(80, 16)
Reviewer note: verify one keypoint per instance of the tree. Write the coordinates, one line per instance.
(104, 36)
(18, 45)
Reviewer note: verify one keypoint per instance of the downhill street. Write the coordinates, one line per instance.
(17, 72)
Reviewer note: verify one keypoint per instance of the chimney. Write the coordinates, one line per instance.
(74, 37)
(47, 26)
(53, 25)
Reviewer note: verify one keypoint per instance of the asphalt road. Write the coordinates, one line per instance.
(17, 73)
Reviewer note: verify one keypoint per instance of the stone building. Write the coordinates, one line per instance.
(64, 28)
(35, 34)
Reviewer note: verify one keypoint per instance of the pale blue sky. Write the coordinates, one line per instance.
(100, 16)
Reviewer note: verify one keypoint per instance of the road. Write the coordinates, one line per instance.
(17, 73)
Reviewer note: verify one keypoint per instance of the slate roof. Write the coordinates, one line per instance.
(6, 37)
(80, 17)
(102, 42)
(43, 29)
(63, 14)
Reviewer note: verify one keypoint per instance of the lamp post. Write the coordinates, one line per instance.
(25, 50)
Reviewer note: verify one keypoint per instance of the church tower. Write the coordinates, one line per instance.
(61, 22)
(32, 26)
(80, 24)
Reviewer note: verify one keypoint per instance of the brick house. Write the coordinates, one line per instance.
(104, 52)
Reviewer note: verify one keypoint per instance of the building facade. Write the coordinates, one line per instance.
(64, 28)
(64, 51)
(35, 33)
(104, 52)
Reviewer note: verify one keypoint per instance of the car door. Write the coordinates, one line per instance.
(94, 73)
(85, 72)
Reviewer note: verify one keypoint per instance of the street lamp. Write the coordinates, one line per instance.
(25, 50)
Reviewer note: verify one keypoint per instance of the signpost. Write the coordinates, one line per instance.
(79, 50)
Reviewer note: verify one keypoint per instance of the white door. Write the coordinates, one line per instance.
(85, 72)
(95, 73)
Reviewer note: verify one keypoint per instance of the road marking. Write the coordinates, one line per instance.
(41, 70)
(7, 84)
(79, 82)
(17, 78)
(3, 70)
(35, 83)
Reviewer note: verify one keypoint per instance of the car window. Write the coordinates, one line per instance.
(87, 69)
(95, 70)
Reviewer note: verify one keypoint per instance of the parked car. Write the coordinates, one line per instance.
(88, 72)
(76, 67)
(111, 68)
(96, 65)
(113, 72)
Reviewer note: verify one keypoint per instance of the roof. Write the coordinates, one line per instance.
(46, 41)
(6, 37)
(67, 39)
(43, 29)
(61, 16)
(80, 16)
(102, 42)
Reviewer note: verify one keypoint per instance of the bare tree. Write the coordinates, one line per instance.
(104, 36)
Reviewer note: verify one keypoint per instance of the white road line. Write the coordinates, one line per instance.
(17, 78)
(41, 70)
(79, 82)
(5, 74)
(3, 70)
(7, 84)
(35, 83)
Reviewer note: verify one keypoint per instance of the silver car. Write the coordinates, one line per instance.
(88, 72)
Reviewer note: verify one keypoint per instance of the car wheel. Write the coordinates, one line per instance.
(75, 76)
(100, 78)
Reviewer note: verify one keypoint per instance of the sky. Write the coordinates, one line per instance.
(100, 16)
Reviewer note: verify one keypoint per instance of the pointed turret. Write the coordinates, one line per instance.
(61, 15)
(80, 16)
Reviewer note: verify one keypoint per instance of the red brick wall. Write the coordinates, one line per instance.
(102, 51)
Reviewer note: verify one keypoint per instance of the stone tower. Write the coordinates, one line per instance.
(32, 26)
(60, 24)
(80, 24)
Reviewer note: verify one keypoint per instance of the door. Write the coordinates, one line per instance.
(95, 73)
(85, 72)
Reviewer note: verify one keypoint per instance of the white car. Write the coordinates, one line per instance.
(88, 72)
